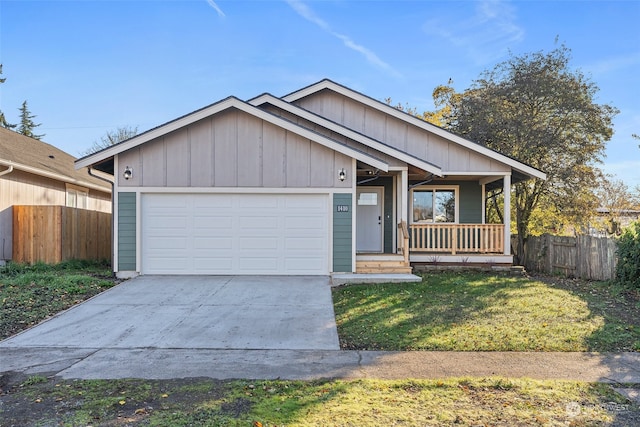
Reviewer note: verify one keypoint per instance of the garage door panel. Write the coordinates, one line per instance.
(211, 244)
(235, 234)
(212, 222)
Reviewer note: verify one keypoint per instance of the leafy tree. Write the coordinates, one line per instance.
(536, 109)
(112, 137)
(615, 197)
(3, 120)
(27, 125)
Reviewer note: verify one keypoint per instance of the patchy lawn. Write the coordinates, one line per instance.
(30, 294)
(484, 312)
(39, 401)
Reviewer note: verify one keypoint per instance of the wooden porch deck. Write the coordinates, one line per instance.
(442, 244)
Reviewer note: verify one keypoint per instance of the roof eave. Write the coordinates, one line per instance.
(56, 176)
(380, 106)
(231, 102)
(349, 133)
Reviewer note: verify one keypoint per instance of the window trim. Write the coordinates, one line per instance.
(76, 190)
(434, 188)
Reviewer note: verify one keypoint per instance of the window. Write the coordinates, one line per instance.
(434, 205)
(77, 197)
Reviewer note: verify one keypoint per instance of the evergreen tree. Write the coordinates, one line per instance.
(27, 124)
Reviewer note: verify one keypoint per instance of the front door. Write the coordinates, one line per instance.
(369, 219)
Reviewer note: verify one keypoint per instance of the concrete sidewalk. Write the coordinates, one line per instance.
(155, 363)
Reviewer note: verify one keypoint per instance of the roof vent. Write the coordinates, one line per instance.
(51, 156)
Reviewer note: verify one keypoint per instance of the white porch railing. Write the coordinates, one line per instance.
(457, 238)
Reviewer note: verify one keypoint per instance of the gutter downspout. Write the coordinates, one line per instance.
(4, 172)
(7, 171)
(89, 169)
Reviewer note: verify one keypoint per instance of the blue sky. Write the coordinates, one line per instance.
(86, 67)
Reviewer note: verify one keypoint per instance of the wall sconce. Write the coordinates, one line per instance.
(342, 175)
(128, 173)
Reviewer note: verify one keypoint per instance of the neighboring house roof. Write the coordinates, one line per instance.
(39, 158)
(522, 168)
(225, 104)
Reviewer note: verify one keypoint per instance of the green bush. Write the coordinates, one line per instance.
(628, 268)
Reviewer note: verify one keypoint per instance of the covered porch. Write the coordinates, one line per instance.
(428, 219)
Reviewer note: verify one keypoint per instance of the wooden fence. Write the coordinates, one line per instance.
(585, 257)
(52, 234)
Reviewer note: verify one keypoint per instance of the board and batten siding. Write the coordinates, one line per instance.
(234, 149)
(398, 133)
(126, 231)
(342, 233)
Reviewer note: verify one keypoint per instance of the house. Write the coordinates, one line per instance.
(33, 172)
(319, 181)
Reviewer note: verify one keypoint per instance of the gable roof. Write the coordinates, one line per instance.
(39, 158)
(524, 169)
(349, 133)
(225, 104)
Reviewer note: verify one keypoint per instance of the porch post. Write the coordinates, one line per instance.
(507, 214)
(484, 203)
(404, 195)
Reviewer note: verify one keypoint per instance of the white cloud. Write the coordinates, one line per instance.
(614, 64)
(305, 11)
(486, 35)
(215, 6)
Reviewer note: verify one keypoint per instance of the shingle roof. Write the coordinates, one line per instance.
(40, 158)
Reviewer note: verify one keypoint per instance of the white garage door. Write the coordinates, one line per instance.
(235, 234)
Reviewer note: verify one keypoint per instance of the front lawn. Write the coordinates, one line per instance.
(30, 294)
(485, 312)
(37, 401)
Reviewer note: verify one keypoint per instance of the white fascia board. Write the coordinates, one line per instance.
(387, 109)
(335, 127)
(313, 136)
(57, 177)
(155, 133)
(231, 102)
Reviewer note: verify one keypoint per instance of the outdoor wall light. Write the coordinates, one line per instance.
(342, 175)
(128, 172)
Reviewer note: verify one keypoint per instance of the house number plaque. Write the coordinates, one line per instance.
(342, 208)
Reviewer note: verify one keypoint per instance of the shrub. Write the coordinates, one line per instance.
(628, 268)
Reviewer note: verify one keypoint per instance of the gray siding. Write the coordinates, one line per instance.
(470, 202)
(342, 234)
(233, 149)
(126, 231)
(399, 134)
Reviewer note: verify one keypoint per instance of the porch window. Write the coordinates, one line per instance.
(434, 205)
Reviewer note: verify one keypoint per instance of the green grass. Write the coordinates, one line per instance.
(30, 294)
(483, 312)
(199, 402)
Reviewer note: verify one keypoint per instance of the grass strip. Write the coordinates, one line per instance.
(188, 402)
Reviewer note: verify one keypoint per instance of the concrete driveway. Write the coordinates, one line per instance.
(197, 312)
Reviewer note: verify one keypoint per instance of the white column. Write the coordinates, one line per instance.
(507, 214)
(484, 204)
(404, 196)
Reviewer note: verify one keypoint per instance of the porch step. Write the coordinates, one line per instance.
(382, 266)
